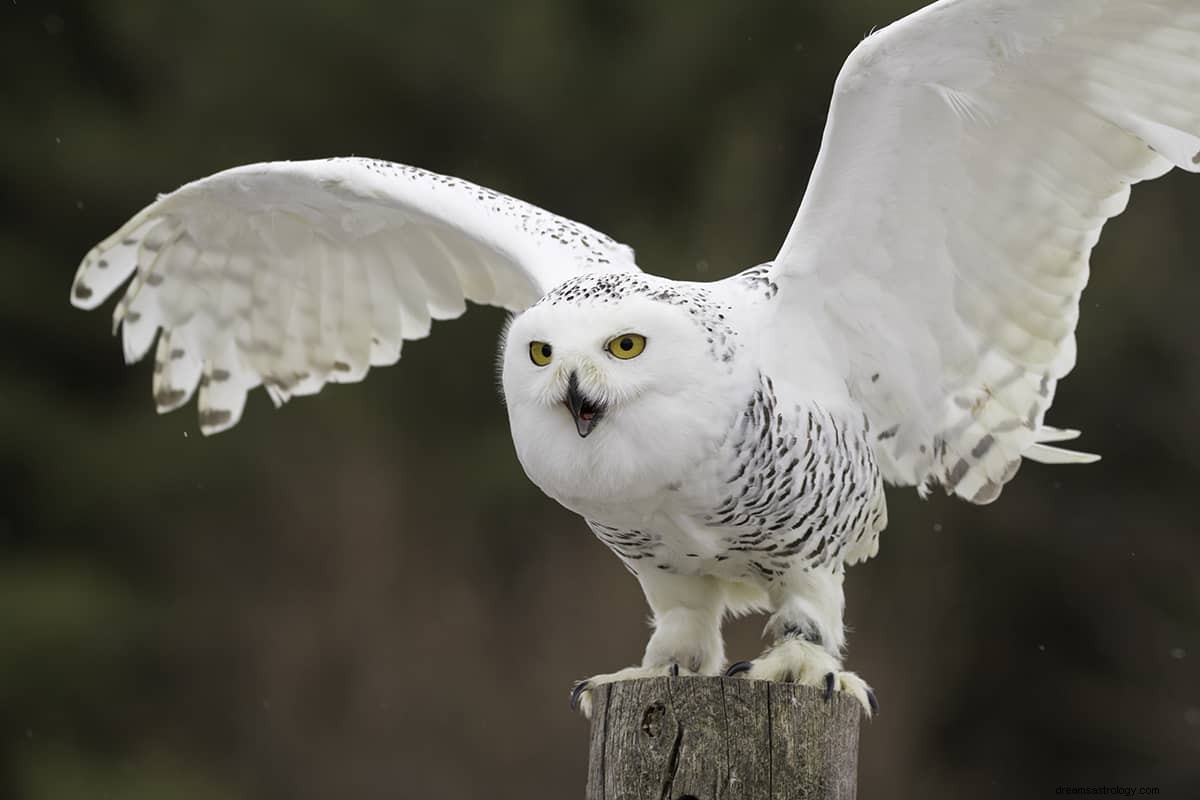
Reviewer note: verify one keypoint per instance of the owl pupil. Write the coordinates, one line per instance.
(546, 351)
(627, 343)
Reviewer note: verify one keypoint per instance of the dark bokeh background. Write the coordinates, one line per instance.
(360, 595)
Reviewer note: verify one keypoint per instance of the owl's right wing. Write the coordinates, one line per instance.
(297, 274)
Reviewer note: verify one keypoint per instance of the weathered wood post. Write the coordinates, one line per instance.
(704, 738)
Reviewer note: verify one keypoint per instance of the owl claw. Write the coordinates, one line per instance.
(830, 680)
(577, 693)
(581, 692)
(738, 668)
(874, 701)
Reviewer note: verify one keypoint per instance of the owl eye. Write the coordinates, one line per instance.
(540, 352)
(627, 345)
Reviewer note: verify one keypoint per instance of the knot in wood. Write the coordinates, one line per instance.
(652, 719)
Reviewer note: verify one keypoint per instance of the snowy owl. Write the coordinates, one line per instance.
(728, 441)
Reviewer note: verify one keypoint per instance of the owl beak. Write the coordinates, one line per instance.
(584, 412)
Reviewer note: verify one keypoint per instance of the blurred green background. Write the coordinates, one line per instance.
(360, 595)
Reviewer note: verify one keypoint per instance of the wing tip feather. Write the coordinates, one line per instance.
(1045, 454)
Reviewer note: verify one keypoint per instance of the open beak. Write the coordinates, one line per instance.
(585, 413)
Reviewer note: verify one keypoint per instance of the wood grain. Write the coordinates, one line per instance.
(708, 738)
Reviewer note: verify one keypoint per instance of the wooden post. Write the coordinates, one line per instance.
(704, 738)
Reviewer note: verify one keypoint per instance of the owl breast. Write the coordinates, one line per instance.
(793, 484)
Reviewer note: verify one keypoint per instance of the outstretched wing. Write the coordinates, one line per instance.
(296, 274)
(972, 154)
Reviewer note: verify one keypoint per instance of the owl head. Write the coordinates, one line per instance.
(616, 384)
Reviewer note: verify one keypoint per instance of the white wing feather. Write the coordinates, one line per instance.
(296, 274)
(972, 154)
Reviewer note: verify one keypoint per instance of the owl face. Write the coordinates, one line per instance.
(612, 396)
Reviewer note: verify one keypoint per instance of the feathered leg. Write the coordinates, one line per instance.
(687, 633)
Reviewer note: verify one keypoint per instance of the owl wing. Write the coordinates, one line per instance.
(297, 274)
(973, 152)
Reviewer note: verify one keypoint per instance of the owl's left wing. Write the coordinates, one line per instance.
(973, 152)
(297, 274)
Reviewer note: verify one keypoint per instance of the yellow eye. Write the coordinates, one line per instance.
(627, 345)
(540, 352)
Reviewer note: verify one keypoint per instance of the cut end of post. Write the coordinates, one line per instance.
(711, 738)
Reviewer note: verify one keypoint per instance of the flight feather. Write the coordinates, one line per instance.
(297, 274)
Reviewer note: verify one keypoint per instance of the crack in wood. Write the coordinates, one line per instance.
(672, 763)
(770, 748)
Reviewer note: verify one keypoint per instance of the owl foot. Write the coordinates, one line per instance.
(795, 660)
(581, 692)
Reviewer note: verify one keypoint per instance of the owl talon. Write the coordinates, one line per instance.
(738, 668)
(830, 680)
(577, 693)
(581, 692)
(872, 701)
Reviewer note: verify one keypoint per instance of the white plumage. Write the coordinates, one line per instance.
(294, 275)
(973, 152)
(728, 440)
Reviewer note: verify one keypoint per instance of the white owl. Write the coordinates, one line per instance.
(729, 441)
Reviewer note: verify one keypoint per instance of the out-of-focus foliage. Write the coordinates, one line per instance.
(360, 595)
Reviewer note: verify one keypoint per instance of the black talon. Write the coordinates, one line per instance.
(829, 682)
(873, 702)
(577, 693)
(738, 668)
(674, 670)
